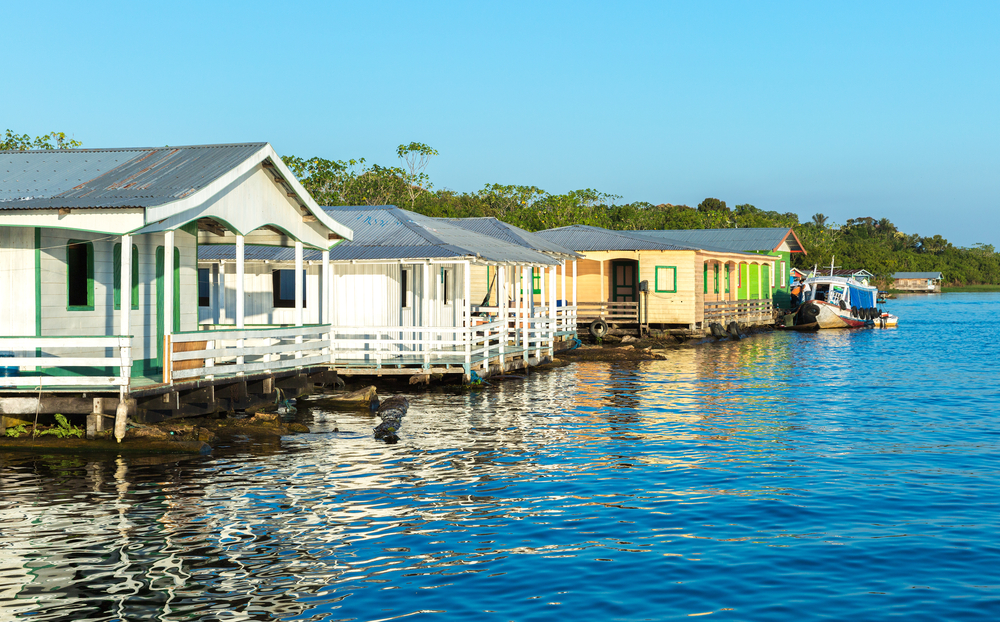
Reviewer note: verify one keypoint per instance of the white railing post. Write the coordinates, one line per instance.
(576, 308)
(240, 302)
(502, 311)
(299, 291)
(425, 295)
(552, 311)
(470, 332)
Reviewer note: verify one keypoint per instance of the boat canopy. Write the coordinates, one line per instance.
(862, 297)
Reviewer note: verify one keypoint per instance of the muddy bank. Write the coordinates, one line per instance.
(195, 435)
(630, 348)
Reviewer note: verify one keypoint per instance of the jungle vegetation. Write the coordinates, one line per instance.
(874, 244)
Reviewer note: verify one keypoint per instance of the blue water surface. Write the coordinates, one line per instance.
(788, 476)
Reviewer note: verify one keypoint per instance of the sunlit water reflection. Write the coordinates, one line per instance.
(787, 476)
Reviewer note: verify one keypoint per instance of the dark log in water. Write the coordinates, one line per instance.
(391, 412)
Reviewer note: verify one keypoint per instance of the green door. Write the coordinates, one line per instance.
(624, 287)
(160, 267)
(765, 282)
(754, 281)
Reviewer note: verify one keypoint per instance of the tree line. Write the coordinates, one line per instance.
(865, 242)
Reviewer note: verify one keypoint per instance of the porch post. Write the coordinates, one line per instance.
(470, 332)
(517, 303)
(576, 310)
(168, 303)
(126, 306)
(327, 316)
(502, 311)
(552, 311)
(565, 309)
(298, 283)
(299, 287)
(425, 293)
(528, 301)
(220, 294)
(168, 283)
(240, 310)
(240, 277)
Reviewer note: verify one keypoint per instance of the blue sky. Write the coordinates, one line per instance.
(848, 108)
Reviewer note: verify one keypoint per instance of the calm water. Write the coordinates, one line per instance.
(788, 476)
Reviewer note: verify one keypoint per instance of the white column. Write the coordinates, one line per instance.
(299, 291)
(565, 302)
(576, 311)
(502, 313)
(240, 278)
(240, 285)
(552, 311)
(527, 288)
(467, 311)
(327, 317)
(299, 284)
(168, 283)
(125, 328)
(515, 271)
(220, 295)
(425, 293)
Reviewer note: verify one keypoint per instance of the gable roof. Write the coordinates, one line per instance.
(760, 239)
(171, 184)
(495, 228)
(917, 275)
(585, 238)
(108, 178)
(388, 232)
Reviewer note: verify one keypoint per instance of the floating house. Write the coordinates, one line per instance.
(401, 297)
(551, 291)
(100, 294)
(923, 282)
(630, 280)
(777, 242)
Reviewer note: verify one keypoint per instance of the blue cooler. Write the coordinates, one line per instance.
(8, 372)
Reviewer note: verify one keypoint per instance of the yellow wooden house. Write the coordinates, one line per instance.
(628, 279)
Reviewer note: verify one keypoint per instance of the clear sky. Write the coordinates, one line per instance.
(882, 109)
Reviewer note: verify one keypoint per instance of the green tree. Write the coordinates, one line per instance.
(23, 142)
(416, 156)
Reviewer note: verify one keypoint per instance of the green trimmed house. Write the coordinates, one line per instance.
(77, 226)
(775, 242)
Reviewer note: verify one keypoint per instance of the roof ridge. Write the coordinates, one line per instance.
(126, 149)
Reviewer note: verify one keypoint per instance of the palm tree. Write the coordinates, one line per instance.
(819, 220)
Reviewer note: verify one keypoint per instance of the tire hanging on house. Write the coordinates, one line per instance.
(598, 329)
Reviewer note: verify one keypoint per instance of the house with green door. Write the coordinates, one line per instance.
(777, 242)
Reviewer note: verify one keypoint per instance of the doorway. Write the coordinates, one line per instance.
(624, 286)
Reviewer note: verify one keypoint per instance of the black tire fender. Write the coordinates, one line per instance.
(598, 329)
(843, 306)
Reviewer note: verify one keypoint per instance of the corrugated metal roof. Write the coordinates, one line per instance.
(917, 275)
(761, 239)
(507, 232)
(109, 178)
(389, 233)
(585, 238)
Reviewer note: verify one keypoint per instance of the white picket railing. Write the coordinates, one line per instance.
(46, 354)
(240, 351)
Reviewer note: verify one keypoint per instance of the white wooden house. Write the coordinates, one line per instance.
(88, 238)
(400, 295)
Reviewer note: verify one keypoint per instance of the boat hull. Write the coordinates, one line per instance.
(827, 315)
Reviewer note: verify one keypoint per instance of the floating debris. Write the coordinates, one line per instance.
(391, 412)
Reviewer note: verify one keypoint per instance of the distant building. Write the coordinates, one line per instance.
(928, 282)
